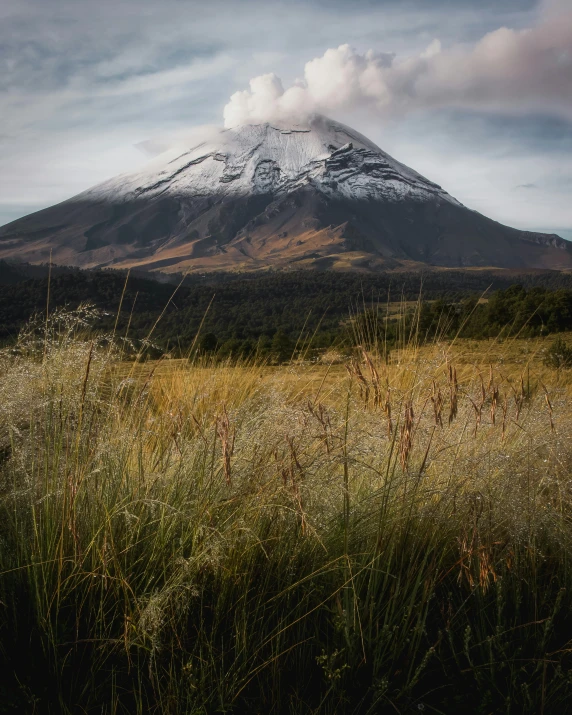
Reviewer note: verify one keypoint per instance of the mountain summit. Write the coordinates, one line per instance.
(316, 195)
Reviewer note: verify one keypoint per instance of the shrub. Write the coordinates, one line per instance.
(208, 342)
(558, 355)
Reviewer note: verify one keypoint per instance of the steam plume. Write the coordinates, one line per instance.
(507, 71)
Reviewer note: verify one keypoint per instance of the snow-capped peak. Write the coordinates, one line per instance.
(275, 158)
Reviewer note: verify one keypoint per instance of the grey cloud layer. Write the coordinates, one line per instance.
(50, 46)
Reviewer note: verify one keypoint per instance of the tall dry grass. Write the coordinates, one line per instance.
(384, 536)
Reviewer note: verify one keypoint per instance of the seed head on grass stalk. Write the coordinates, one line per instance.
(453, 392)
(226, 434)
(406, 435)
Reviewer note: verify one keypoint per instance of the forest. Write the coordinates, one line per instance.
(269, 313)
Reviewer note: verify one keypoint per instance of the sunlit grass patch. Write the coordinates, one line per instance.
(373, 535)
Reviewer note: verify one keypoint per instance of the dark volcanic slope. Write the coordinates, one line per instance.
(258, 196)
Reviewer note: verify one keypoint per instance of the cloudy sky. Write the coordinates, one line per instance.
(475, 94)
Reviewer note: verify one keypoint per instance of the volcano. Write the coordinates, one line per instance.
(316, 195)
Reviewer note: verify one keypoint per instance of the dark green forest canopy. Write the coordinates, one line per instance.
(237, 312)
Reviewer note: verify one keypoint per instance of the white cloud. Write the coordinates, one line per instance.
(338, 79)
(507, 71)
(181, 139)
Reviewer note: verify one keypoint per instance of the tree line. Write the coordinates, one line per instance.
(269, 314)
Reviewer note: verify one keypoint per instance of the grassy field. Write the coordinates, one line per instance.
(359, 535)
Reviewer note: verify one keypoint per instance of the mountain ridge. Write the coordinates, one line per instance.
(317, 195)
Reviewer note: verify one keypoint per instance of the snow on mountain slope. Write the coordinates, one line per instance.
(255, 196)
(264, 158)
